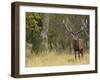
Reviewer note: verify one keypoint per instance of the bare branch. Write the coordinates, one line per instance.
(84, 26)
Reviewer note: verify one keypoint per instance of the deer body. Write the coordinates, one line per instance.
(78, 47)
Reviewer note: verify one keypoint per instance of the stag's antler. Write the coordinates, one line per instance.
(73, 34)
(84, 26)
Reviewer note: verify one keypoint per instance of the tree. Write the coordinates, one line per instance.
(33, 30)
(44, 33)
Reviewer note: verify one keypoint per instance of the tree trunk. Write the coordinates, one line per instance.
(44, 33)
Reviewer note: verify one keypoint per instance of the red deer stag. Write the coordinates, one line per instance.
(78, 43)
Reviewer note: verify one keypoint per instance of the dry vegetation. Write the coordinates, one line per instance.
(54, 58)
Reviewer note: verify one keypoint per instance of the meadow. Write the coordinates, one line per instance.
(54, 58)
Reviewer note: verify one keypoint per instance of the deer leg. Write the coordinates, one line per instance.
(79, 54)
(82, 53)
(75, 54)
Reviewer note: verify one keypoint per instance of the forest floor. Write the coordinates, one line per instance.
(54, 58)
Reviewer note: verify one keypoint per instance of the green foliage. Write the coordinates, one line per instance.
(33, 29)
(32, 21)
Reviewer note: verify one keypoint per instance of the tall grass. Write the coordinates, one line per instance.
(54, 58)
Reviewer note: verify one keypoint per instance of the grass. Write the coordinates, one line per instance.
(53, 58)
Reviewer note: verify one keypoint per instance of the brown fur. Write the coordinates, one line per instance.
(78, 46)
